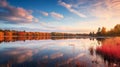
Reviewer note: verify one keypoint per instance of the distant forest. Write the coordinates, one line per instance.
(113, 32)
(100, 32)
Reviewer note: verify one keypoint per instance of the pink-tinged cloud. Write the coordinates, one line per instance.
(56, 15)
(109, 11)
(69, 7)
(44, 13)
(56, 55)
(3, 3)
(13, 14)
(20, 54)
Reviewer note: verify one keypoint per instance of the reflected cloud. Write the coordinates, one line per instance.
(45, 57)
(69, 60)
(76, 57)
(20, 55)
(56, 55)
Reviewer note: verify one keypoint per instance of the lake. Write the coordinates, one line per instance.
(61, 52)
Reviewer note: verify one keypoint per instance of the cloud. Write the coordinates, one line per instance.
(56, 15)
(101, 13)
(71, 29)
(44, 13)
(13, 14)
(3, 3)
(69, 7)
(46, 25)
(106, 9)
(53, 14)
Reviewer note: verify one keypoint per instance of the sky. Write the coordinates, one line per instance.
(73, 16)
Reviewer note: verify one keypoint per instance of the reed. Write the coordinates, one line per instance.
(110, 48)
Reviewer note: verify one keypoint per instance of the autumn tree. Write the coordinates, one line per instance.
(103, 31)
(117, 29)
(99, 31)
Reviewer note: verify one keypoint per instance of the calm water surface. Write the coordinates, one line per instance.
(54, 53)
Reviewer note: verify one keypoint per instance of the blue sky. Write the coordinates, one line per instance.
(74, 16)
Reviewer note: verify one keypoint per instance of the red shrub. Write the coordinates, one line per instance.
(110, 47)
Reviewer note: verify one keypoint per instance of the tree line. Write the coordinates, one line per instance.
(24, 33)
(100, 32)
(112, 32)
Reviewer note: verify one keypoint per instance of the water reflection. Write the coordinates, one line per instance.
(12, 39)
(59, 52)
(110, 51)
(24, 38)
